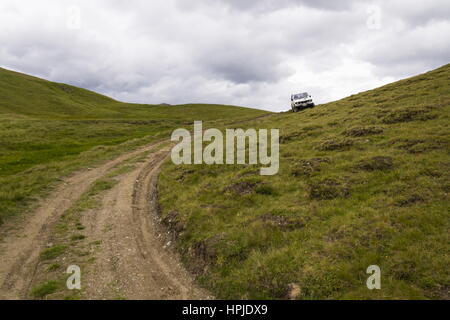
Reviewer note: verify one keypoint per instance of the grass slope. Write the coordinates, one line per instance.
(364, 180)
(49, 129)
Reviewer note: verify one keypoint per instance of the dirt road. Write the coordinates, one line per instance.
(132, 261)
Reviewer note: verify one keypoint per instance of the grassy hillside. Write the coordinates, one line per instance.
(363, 181)
(49, 129)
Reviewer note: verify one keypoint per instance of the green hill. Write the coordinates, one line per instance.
(49, 129)
(27, 96)
(363, 181)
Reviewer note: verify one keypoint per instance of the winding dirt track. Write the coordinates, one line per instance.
(132, 259)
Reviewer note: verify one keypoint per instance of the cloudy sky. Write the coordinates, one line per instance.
(241, 52)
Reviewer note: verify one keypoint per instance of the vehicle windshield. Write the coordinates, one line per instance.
(300, 96)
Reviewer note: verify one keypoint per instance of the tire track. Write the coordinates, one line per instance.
(23, 242)
(133, 262)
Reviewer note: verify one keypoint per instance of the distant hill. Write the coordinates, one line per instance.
(21, 94)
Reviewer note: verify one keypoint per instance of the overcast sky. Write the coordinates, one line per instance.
(241, 52)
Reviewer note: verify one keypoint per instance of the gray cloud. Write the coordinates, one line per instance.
(242, 67)
(252, 53)
(271, 5)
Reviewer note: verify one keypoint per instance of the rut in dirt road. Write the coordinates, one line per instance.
(131, 260)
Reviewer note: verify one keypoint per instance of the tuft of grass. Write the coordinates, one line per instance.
(53, 252)
(77, 237)
(363, 131)
(376, 163)
(43, 290)
(327, 189)
(53, 267)
(79, 226)
(335, 144)
(266, 190)
(407, 114)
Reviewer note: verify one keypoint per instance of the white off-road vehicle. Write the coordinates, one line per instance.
(301, 101)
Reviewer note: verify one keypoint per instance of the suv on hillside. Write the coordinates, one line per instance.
(301, 101)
